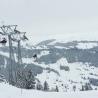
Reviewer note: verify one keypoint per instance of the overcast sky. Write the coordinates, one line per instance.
(44, 18)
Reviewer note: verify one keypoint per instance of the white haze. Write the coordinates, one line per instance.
(50, 19)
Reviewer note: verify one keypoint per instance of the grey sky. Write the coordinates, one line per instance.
(51, 17)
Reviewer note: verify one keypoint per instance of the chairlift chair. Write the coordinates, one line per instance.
(3, 41)
(35, 56)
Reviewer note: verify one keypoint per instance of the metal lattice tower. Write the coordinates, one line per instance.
(13, 35)
(18, 37)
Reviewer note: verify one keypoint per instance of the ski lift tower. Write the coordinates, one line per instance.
(18, 37)
(9, 30)
(13, 35)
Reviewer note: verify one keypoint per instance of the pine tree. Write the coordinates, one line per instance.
(88, 86)
(30, 80)
(25, 79)
(39, 86)
(82, 88)
(46, 86)
(57, 90)
(74, 88)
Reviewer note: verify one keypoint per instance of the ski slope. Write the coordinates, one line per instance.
(7, 91)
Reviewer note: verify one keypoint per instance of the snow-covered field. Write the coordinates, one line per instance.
(86, 45)
(75, 76)
(56, 74)
(7, 91)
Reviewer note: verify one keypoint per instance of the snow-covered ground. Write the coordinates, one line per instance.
(7, 91)
(86, 45)
(77, 75)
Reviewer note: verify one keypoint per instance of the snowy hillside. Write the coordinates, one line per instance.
(7, 91)
(67, 65)
(69, 75)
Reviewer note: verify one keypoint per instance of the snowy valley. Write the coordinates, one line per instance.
(65, 66)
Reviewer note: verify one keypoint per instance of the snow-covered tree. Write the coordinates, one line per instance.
(30, 80)
(83, 88)
(57, 89)
(39, 86)
(88, 86)
(26, 79)
(46, 86)
(74, 88)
